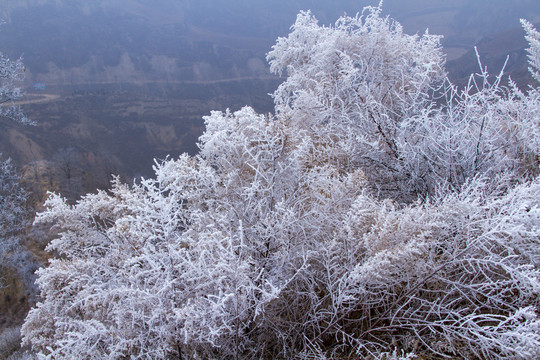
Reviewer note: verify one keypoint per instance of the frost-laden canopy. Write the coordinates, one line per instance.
(381, 213)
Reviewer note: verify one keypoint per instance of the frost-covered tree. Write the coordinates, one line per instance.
(12, 196)
(380, 213)
(11, 72)
(17, 261)
(12, 212)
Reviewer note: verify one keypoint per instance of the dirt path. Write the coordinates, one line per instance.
(36, 99)
(175, 82)
(41, 98)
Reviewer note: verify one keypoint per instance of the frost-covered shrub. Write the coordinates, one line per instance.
(380, 213)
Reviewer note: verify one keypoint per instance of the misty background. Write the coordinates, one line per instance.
(114, 84)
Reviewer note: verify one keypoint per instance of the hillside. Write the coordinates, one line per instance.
(117, 129)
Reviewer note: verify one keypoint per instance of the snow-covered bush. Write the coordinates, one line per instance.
(379, 213)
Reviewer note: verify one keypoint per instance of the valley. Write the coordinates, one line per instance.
(88, 133)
